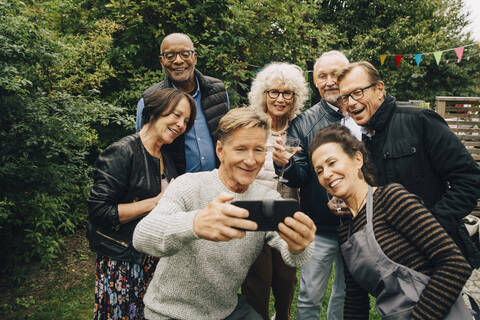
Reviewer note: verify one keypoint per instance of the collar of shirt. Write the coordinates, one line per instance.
(196, 92)
(366, 133)
(336, 109)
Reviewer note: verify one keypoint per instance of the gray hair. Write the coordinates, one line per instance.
(279, 73)
(337, 53)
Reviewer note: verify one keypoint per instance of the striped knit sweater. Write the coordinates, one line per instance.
(409, 235)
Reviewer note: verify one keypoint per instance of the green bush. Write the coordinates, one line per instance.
(72, 71)
(48, 140)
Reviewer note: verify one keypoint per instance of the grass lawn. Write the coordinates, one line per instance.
(65, 291)
(293, 312)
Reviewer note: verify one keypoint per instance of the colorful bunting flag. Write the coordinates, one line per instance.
(437, 55)
(418, 58)
(398, 58)
(459, 52)
(384, 56)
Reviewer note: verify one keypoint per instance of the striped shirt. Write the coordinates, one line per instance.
(409, 235)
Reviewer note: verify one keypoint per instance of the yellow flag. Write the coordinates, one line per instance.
(384, 56)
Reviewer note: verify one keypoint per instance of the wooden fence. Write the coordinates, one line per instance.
(463, 116)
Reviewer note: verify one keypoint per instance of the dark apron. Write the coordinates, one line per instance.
(396, 287)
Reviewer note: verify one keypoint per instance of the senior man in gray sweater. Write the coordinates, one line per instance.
(205, 252)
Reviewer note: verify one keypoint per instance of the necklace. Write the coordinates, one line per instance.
(280, 132)
(361, 204)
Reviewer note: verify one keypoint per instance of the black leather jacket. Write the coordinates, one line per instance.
(125, 172)
(300, 174)
(415, 147)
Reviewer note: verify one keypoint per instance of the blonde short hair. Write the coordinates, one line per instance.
(274, 74)
(244, 117)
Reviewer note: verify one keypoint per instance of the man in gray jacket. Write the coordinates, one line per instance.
(313, 197)
(205, 244)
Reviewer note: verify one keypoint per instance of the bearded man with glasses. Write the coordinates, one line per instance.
(414, 147)
(194, 151)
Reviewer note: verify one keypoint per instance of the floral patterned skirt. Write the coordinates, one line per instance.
(120, 287)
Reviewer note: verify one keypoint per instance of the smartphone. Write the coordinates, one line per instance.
(268, 213)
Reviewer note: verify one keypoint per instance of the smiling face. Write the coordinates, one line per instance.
(336, 171)
(362, 109)
(178, 70)
(279, 107)
(169, 127)
(325, 79)
(241, 156)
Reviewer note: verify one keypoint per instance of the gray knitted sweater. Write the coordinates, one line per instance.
(197, 278)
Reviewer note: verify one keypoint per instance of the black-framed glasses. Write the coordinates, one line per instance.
(287, 95)
(355, 94)
(172, 55)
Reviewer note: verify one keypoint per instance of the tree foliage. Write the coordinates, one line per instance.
(47, 134)
(72, 71)
(371, 28)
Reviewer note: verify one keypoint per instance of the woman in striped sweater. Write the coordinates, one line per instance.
(393, 247)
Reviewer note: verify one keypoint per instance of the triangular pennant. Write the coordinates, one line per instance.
(418, 58)
(438, 56)
(398, 57)
(459, 52)
(382, 59)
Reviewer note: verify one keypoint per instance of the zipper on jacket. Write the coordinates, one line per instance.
(110, 238)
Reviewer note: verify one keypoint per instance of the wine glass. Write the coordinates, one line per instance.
(291, 145)
(338, 205)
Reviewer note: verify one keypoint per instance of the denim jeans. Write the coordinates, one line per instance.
(314, 280)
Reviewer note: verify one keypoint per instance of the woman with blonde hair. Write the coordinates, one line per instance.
(280, 91)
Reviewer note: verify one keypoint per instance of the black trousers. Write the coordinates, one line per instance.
(269, 271)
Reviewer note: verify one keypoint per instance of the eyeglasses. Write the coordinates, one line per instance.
(287, 95)
(355, 94)
(171, 55)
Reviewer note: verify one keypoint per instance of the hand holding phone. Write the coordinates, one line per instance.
(268, 213)
(221, 221)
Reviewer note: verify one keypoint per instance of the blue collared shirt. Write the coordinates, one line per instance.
(199, 148)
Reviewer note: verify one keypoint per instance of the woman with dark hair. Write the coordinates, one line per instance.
(393, 247)
(130, 177)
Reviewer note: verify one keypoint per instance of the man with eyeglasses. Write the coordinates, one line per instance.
(195, 150)
(313, 197)
(414, 147)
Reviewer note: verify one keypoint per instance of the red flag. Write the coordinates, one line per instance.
(398, 57)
